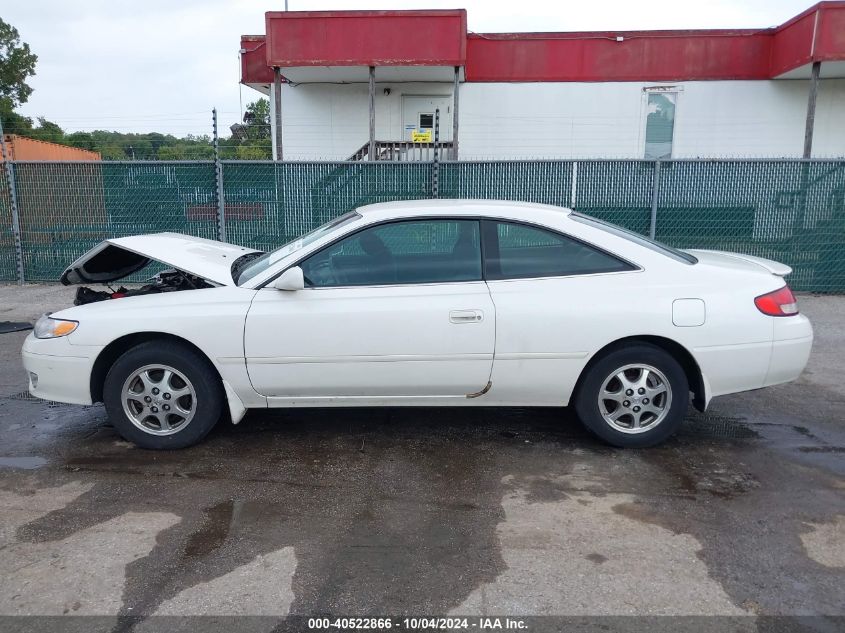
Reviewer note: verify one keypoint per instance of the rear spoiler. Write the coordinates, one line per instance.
(776, 268)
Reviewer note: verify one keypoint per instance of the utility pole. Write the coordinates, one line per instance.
(811, 109)
(809, 128)
(371, 151)
(455, 111)
(277, 112)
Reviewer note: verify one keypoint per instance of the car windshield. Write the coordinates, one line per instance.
(654, 245)
(248, 266)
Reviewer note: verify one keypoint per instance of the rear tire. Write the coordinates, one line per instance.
(634, 396)
(163, 395)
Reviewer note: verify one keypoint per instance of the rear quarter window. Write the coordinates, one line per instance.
(518, 251)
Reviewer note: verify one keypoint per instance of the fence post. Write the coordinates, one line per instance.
(574, 191)
(218, 173)
(655, 192)
(435, 174)
(13, 203)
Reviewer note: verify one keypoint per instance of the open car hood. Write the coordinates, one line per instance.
(120, 257)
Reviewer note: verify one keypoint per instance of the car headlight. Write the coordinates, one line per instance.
(47, 327)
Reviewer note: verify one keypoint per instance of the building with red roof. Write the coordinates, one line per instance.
(372, 85)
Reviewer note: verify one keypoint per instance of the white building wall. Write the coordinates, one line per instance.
(575, 120)
(829, 138)
(741, 119)
(332, 121)
(545, 120)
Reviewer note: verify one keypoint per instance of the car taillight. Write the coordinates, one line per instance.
(778, 303)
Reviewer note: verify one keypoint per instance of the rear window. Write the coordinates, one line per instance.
(658, 247)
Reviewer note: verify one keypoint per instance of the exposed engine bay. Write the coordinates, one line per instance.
(166, 281)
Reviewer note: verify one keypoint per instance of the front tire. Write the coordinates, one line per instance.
(632, 397)
(163, 395)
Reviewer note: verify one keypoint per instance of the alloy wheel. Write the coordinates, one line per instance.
(159, 399)
(635, 398)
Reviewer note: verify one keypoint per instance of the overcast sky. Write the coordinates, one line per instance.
(161, 65)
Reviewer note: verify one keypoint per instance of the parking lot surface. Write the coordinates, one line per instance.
(429, 511)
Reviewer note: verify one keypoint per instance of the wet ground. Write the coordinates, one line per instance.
(432, 511)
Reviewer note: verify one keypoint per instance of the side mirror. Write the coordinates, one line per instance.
(291, 279)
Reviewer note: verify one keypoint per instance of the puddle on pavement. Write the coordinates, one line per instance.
(716, 426)
(28, 462)
(213, 532)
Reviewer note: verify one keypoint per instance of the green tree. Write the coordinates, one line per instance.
(257, 119)
(186, 149)
(47, 131)
(252, 152)
(171, 152)
(14, 123)
(17, 64)
(82, 140)
(250, 140)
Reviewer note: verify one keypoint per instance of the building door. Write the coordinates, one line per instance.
(418, 115)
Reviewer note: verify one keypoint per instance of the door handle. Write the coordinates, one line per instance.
(466, 316)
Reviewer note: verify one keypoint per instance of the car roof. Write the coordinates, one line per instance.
(460, 206)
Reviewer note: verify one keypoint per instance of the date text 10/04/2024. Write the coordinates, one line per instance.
(419, 624)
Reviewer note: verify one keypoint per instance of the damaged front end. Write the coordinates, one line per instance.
(166, 281)
(196, 263)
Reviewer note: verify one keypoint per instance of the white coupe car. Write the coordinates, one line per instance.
(433, 302)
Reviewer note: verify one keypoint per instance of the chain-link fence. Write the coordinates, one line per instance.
(7, 239)
(792, 211)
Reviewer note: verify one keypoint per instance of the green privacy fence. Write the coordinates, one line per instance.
(267, 204)
(788, 210)
(7, 240)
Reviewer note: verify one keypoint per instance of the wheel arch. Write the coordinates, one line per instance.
(680, 353)
(119, 346)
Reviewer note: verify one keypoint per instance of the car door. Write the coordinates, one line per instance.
(395, 310)
(556, 299)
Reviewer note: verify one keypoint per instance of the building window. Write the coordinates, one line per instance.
(660, 125)
(426, 121)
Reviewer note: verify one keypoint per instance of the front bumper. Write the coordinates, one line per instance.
(63, 370)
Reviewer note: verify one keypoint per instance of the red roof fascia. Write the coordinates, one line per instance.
(419, 38)
(619, 56)
(366, 38)
(830, 34)
(254, 68)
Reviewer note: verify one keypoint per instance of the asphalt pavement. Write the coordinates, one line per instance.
(475, 512)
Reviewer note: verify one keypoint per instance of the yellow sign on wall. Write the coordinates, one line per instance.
(421, 136)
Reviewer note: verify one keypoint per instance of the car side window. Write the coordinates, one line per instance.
(405, 252)
(515, 251)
